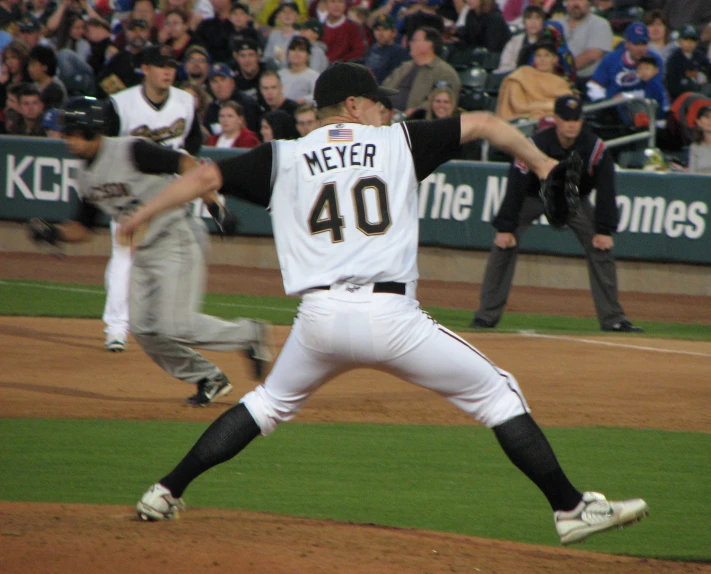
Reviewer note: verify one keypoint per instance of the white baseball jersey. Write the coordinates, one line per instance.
(168, 125)
(343, 194)
(343, 202)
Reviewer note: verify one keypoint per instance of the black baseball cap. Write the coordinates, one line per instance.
(689, 32)
(240, 43)
(568, 108)
(300, 43)
(137, 23)
(384, 21)
(240, 6)
(29, 24)
(344, 80)
(288, 4)
(312, 24)
(159, 56)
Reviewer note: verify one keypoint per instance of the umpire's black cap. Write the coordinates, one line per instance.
(344, 80)
(568, 108)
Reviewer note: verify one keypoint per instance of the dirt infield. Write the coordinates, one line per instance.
(598, 381)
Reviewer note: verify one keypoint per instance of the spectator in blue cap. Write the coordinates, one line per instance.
(224, 88)
(617, 72)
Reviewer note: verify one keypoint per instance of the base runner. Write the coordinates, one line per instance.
(167, 278)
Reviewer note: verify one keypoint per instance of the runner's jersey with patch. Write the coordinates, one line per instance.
(113, 183)
(343, 206)
(168, 125)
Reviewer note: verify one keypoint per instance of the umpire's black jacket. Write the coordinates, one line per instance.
(598, 173)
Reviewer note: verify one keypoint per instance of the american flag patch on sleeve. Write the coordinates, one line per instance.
(340, 135)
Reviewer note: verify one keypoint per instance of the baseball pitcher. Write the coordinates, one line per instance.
(343, 202)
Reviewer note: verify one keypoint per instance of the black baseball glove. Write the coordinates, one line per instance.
(560, 191)
(42, 232)
(225, 220)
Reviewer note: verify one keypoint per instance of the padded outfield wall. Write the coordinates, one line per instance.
(663, 242)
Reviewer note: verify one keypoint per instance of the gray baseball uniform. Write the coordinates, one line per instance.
(169, 270)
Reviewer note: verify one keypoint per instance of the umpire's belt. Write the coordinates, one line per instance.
(384, 287)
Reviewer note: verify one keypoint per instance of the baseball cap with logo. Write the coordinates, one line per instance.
(196, 49)
(344, 80)
(384, 21)
(160, 57)
(220, 69)
(689, 32)
(29, 24)
(637, 33)
(568, 108)
(50, 121)
(240, 43)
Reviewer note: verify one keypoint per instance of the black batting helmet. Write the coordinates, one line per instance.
(83, 114)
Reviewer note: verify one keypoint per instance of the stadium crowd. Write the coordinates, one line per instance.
(251, 66)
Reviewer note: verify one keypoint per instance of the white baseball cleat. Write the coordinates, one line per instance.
(158, 504)
(115, 343)
(595, 514)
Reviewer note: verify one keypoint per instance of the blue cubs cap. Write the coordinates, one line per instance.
(637, 33)
(50, 121)
(219, 69)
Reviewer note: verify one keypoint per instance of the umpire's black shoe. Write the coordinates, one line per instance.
(624, 327)
(210, 390)
(480, 324)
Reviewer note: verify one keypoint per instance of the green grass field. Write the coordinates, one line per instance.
(453, 479)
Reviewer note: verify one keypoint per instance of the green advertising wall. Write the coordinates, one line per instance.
(663, 217)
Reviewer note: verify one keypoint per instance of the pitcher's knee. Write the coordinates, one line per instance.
(267, 411)
(499, 402)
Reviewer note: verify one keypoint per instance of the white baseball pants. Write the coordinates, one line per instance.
(337, 330)
(116, 281)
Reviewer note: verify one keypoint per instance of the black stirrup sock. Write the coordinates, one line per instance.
(526, 446)
(223, 439)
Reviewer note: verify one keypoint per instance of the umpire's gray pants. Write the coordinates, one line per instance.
(165, 296)
(601, 267)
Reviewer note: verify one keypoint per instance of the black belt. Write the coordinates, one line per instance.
(384, 287)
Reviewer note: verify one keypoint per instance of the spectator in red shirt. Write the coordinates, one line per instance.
(234, 132)
(342, 37)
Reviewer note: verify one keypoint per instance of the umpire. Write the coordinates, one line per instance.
(593, 225)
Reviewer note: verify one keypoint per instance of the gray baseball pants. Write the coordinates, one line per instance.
(166, 293)
(601, 267)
